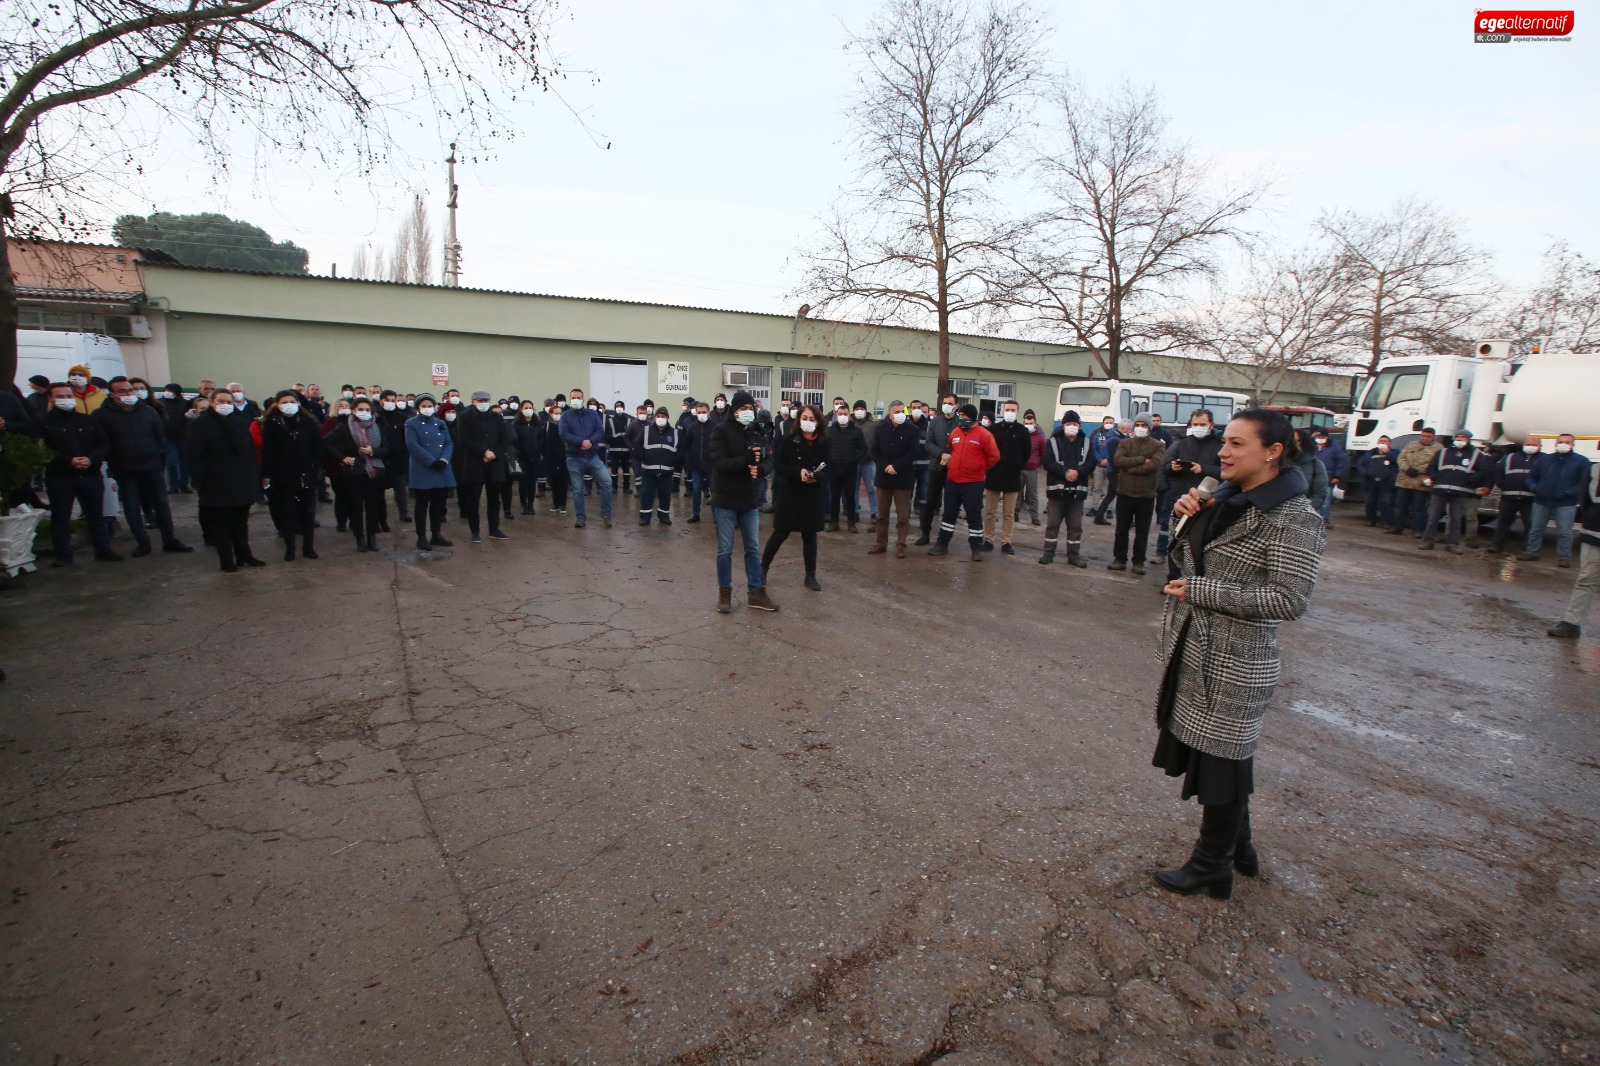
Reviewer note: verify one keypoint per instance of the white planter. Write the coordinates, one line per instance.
(16, 540)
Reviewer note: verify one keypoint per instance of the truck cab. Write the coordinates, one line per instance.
(1407, 394)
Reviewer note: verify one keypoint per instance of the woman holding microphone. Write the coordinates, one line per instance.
(1248, 557)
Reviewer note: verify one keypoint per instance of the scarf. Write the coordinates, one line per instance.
(366, 435)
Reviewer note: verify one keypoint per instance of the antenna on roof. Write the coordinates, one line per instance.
(452, 247)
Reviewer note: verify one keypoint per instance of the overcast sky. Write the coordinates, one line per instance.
(727, 138)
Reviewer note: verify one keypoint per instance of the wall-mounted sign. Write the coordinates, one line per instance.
(672, 378)
(441, 374)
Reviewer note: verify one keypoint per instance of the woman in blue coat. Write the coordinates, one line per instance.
(431, 448)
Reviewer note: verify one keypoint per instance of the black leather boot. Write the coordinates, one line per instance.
(1210, 867)
(308, 546)
(288, 548)
(1245, 859)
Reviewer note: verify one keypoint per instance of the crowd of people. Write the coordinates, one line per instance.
(813, 470)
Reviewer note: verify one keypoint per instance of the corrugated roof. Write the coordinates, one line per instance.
(37, 292)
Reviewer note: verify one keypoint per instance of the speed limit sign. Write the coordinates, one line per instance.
(441, 374)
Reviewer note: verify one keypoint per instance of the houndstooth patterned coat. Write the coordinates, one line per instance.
(1223, 640)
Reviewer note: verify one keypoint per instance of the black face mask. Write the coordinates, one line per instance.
(964, 422)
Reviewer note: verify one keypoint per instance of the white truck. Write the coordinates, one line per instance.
(1497, 398)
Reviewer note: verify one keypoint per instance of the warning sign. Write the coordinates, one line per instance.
(441, 374)
(672, 378)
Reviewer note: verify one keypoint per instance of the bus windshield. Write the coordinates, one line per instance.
(1397, 384)
(1085, 396)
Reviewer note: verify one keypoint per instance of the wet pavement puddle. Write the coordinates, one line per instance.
(1323, 714)
(1320, 1020)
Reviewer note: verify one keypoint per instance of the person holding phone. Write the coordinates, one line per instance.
(800, 463)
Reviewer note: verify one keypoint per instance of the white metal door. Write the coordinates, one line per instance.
(628, 382)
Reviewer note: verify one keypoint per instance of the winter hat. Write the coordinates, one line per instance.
(39, 380)
(480, 394)
(427, 396)
(967, 410)
(1071, 416)
(79, 369)
(1142, 416)
(741, 399)
(861, 405)
(1467, 433)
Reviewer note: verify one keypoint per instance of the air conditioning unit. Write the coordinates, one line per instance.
(132, 326)
(736, 379)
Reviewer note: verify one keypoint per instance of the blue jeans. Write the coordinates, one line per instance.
(749, 524)
(177, 468)
(1410, 509)
(920, 496)
(699, 481)
(1564, 517)
(867, 476)
(592, 465)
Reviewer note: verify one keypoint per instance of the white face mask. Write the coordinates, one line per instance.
(143, 394)
(661, 420)
(1383, 449)
(745, 417)
(403, 404)
(1009, 416)
(527, 412)
(1141, 431)
(1108, 426)
(1199, 431)
(1531, 449)
(130, 399)
(78, 381)
(348, 394)
(917, 414)
(65, 405)
(290, 409)
(948, 409)
(721, 404)
(898, 418)
(861, 413)
(561, 403)
(222, 408)
(1033, 427)
(783, 412)
(449, 416)
(555, 416)
(1071, 431)
(168, 396)
(388, 405)
(1563, 449)
(843, 419)
(363, 416)
(482, 406)
(985, 422)
(1458, 444)
(808, 425)
(701, 416)
(238, 397)
(425, 412)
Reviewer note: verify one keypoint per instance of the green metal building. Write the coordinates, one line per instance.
(272, 330)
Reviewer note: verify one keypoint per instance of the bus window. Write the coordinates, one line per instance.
(1400, 384)
(1082, 396)
(1164, 404)
(1222, 410)
(1188, 404)
(1127, 403)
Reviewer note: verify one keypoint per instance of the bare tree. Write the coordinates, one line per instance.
(1286, 316)
(421, 243)
(1135, 221)
(1412, 283)
(361, 263)
(299, 76)
(943, 92)
(405, 241)
(1564, 308)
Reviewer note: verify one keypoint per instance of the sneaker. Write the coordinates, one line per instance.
(1006, 549)
(759, 600)
(495, 534)
(1564, 630)
(441, 542)
(580, 523)
(475, 539)
(1527, 557)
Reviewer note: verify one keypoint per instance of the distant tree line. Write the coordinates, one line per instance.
(210, 240)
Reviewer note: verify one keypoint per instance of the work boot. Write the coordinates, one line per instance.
(1210, 866)
(923, 538)
(977, 555)
(760, 601)
(1048, 557)
(833, 526)
(724, 600)
(1564, 629)
(850, 526)
(1426, 545)
(422, 543)
(1118, 565)
(939, 549)
(1036, 520)
(1077, 560)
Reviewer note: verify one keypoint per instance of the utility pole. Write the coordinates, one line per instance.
(452, 247)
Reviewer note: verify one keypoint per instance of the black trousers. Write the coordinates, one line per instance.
(293, 510)
(1380, 500)
(934, 504)
(842, 488)
(427, 506)
(140, 491)
(1133, 512)
(399, 473)
(227, 529)
(502, 494)
(528, 483)
(558, 485)
(368, 509)
(962, 496)
(1510, 508)
(342, 495)
(471, 494)
(808, 548)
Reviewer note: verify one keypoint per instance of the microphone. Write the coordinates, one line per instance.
(1207, 488)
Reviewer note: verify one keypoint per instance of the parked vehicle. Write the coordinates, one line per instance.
(42, 351)
(1093, 400)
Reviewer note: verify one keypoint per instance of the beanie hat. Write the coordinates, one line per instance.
(1142, 416)
(79, 369)
(1071, 416)
(480, 394)
(427, 396)
(741, 399)
(39, 380)
(967, 410)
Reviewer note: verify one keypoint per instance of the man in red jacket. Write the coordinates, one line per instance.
(972, 452)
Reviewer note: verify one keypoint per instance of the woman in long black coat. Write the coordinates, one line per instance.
(291, 465)
(529, 434)
(358, 445)
(800, 505)
(226, 475)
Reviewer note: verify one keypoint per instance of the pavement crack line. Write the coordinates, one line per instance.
(114, 803)
(472, 925)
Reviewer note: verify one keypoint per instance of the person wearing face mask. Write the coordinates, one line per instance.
(1411, 483)
(1102, 442)
(867, 471)
(1379, 467)
(847, 450)
(971, 453)
(330, 468)
(1559, 481)
(430, 447)
(1458, 475)
(938, 449)
(1334, 460)
(85, 393)
(800, 505)
(1004, 480)
(291, 470)
(618, 423)
(1510, 475)
(528, 435)
(583, 431)
(483, 441)
(896, 443)
(137, 454)
(1311, 469)
(1069, 467)
(358, 445)
(78, 446)
(227, 480)
(241, 404)
(695, 450)
(658, 459)
(1159, 431)
(1188, 461)
(917, 413)
(553, 459)
(393, 418)
(1028, 493)
(735, 465)
(719, 410)
(1138, 463)
(174, 424)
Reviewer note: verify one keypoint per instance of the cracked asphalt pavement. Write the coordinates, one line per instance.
(535, 802)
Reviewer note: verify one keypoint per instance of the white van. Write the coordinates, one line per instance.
(41, 351)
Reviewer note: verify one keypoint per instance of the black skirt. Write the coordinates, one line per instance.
(1215, 780)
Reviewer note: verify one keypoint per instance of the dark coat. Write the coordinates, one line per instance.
(847, 445)
(222, 461)
(695, 447)
(1380, 469)
(1138, 463)
(899, 447)
(529, 437)
(478, 432)
(340, 444)
(1063, 453)
(1459, 471)
(69, 434)
(1559, 480)
(291, 450)
(732, 487)
(1016, 448)
(555, 452)
(394, 438)
(799, 507)
(1511, 473)
(1187, 449)
(138, 436)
